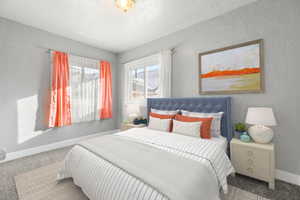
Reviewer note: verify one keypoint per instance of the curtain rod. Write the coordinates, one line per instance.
(74, 54)
(146, 55)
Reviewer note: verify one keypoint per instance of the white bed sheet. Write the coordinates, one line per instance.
(221, 140)
(93, 174)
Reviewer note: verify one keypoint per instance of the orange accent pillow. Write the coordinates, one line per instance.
(162, 116)
(155, 115)
(205, 127)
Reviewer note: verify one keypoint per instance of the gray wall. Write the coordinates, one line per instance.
(25, 82)
(275, 21)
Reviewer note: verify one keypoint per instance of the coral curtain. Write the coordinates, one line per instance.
(60, 109)
(106, 90)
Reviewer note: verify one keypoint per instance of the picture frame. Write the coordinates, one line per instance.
(234, 69)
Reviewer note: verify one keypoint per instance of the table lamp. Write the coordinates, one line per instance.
(261, 118)
(143, 111)
(132, 111)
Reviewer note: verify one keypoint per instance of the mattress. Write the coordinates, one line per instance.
(100, 179)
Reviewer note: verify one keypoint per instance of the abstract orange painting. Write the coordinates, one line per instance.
(234, 69)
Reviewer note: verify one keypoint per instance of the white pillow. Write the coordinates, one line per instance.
(187, 128)
(159, 124)
(164, 112)
(216, 122)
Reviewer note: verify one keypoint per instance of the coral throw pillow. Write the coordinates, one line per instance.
(205, 131)
(155, 115)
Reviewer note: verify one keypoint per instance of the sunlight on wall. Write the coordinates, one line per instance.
(27, 109)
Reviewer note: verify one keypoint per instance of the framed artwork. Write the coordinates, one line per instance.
(234, 69)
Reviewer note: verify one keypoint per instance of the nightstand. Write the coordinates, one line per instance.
(127, 126)
(254, 160)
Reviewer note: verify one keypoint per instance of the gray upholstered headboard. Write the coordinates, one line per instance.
(201, 104)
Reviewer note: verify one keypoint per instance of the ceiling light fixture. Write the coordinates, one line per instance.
(125, 4)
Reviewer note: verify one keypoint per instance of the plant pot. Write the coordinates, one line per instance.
(237, 134)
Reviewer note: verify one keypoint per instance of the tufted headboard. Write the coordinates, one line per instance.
(200, 104)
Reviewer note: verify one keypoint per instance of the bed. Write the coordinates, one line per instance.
(145, 164)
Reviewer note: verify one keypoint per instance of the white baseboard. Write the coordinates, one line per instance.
(49, 147)
(288, 177)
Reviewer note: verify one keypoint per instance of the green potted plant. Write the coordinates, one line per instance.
(240, 129)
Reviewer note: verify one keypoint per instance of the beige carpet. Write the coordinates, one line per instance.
(40, 184)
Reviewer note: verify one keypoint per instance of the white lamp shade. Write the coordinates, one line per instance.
(143, 111)
(131, 111)
(261, 116)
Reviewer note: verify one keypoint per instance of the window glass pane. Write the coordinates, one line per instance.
(138, 84)
(153, 89)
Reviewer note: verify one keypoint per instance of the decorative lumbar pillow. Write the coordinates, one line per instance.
(216, 122)
(187, 128)
(205, 126)
(164, 112)
(159, 124)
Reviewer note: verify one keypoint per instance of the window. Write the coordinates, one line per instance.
(81, 90)
(143, 79)
(85, 87)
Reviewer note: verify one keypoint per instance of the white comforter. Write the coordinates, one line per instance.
(101, 180)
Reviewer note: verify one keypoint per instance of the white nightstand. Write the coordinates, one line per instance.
(254, 160)
(127, 126)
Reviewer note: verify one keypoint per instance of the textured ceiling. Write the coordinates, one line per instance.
(99, 23)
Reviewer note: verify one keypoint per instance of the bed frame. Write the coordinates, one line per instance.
(200, 104)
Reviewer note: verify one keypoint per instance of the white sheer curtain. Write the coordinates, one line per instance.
(85, 86)
(165, 57)
(130, 109)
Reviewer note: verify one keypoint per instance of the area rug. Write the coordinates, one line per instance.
(41, 184)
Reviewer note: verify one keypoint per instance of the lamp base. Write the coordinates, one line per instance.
(261, 134)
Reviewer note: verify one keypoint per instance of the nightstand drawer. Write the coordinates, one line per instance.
(252, 162)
